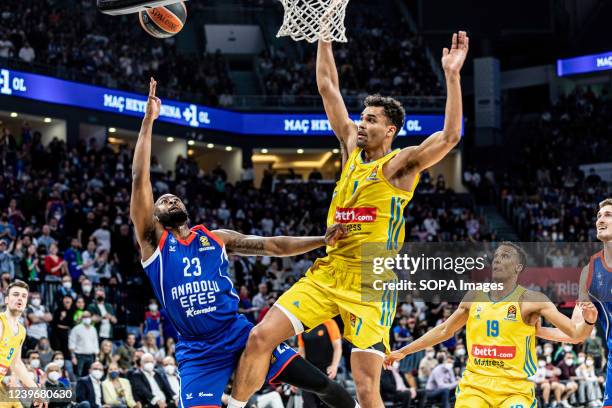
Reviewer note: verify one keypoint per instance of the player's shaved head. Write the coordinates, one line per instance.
(170, 211)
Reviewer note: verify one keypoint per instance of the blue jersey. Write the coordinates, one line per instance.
(190, 280)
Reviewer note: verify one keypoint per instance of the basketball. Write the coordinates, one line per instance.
(164, 21)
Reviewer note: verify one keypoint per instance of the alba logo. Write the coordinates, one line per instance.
(497, 352)
(349, 215)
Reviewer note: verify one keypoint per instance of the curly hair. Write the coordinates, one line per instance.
(394, 111)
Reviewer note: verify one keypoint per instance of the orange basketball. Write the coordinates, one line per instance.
(164, 21)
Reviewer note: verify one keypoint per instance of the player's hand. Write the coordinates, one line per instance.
(335, 233)
(153, 102)
(40, 404)
(393, 357)
(453, 59)
(332, 370)
(589, 312)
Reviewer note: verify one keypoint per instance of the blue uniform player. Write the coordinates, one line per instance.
(188, 269)
(596, 287)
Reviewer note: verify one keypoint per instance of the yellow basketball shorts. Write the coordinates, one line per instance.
(334, 288)
(479, 391)
(5, 401)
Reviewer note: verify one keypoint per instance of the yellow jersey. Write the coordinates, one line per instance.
(369, 205)
(10, 344)
(499, 343)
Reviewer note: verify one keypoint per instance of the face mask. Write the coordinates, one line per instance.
(54, 376)
(87, 321)
(170, 369)
(114, 374)
(149, 367)
(547, 351)
(580, 360)
(431, 354)
(97, 374)
(60, 363)
(460, 352)
(589, 363)
(567, 348)
(153, 307)
(100, 298)
(34, 363)
(44, 346)
(86, 289)
(67, 285)
(449, 366)
(36, 302)
(542, 364)
(569, 362)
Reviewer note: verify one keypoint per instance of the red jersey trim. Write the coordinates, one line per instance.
(209, 234)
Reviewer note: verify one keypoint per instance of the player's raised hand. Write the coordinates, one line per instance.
(589, 312)
(153, 102)
(453, 58)
(335, 233)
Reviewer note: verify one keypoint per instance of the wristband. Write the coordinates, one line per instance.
(590, 324)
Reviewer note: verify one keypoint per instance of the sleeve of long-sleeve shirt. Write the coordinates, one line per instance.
(72, 340)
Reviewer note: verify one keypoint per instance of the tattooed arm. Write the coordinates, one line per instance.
(240, 244)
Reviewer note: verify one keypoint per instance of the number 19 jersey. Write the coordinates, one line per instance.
(499, 343)
(190, 279)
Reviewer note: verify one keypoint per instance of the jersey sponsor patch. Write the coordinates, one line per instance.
(511, 313)
(374, 175)
(358, 214)
(3, 369)
(495, 352)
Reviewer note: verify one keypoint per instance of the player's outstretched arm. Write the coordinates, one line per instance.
(329, 89)
(21, 371)
(141, 202)
(433, 149)
(435, 336)
(575, 331)
(553, 333)
(280, 246)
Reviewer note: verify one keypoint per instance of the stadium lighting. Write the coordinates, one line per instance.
(47, 120)
(210, 145)
(112, 130)
(300, 151)
(190, 142)
(264, 151)
(228, 148)
(190, 152)
(14, 114)
(170, 139)
(335, 151)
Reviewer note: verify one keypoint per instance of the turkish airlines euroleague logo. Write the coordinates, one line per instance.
(359, 214)
(497, 352)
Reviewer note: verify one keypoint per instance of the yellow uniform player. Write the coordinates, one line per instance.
(376, 184)
(500, 333)
(12, 335)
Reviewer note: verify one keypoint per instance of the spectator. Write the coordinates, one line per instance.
(106, 356)
(260, 299)
(401, 334)
(30, 266)
(546, 381)
(54, 264)
(26, 53)
(34, 365)
(62, 323)
(44, 351)
(103, 315)
(66, 289)
(150, 387)
(442, 381)
(7, 264)
(593, 346)
(117, 391)
(245, 306)
(102, 236)
(126, 352)
(66, 375)
(83, 344)
(427, 364)
(87, 291)
(7, 230)
(53, 373)
(46, 239)
(152, 322)
(393, 388)
(89, 388)
(172, 376)
(150, 346)
(89, 259)
(73, 259)
(589, 384)
(38, 318)
(567, 378)
(79, 310)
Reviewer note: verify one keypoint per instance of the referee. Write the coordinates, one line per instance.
(322, 346)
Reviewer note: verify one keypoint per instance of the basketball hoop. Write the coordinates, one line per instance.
(314, 20)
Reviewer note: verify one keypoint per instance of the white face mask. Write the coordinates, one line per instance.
(567, 348)
(460, 352)
(86, 321)
(97, 374)
(149, 367)
(580, 360)
(67, 285)
(547, 351)
(36, 302)
(60, 363)
(431, 354)
(35, 363)
(170, 369)
(87, 289)
(589, 363)
(569, 362)
(542, 364)
(54, 376)
(153, 307)
(449, 366)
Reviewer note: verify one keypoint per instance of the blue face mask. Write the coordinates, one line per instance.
(114, 374)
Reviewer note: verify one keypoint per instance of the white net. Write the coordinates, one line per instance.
(312, 20)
